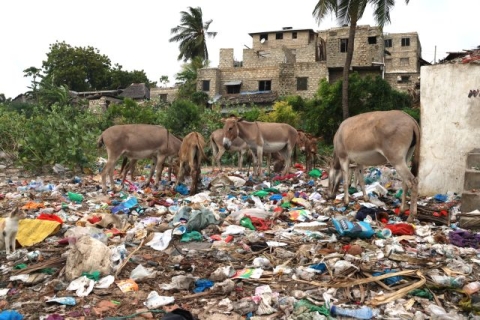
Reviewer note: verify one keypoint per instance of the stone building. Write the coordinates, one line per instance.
(167, 95)
(293, 61)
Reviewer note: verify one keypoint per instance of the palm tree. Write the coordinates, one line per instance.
(349, 12)
(192, 34)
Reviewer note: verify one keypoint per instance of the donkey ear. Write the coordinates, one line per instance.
(223, 120)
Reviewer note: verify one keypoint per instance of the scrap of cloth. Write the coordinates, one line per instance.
(464, 239)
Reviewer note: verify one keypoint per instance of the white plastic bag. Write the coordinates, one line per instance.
(82, 286)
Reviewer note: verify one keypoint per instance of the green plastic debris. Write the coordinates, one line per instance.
(423, 293)
(272, 190)
(191, 236)
(352, 190)
(305, 304)
(315, 173)
(260, 193)
(20, 266)
(95, 275)
(49, 271)
(286, 205)
(247, 223)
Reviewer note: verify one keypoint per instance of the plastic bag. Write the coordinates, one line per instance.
(140, 272)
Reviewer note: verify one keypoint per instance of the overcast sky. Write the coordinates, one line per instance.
(135, 34)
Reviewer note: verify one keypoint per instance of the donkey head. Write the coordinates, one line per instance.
(230, 131)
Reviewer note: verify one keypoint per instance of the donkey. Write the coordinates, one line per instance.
(216, 143)
(190, 156)
(137, 141)
(372, 139)
(262, 137)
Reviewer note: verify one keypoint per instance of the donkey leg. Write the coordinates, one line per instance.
(158, 164)
(259, 161)
(345, 165)
(218, 158)
(358, 176)
(240, 159)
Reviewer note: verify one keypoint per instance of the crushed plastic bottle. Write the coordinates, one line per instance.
(362, 313)
(125, 206)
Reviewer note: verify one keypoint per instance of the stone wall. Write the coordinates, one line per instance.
(211, 74)
(171, 92)
(226, 58)
(364, 53)
(304, 37)
(397, 52)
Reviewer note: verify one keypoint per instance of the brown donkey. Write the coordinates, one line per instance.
(216, 143)
(137, 141)
(372, 139)
(190, 156)
(262, 137)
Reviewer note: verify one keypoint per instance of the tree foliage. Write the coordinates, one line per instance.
(323, 114)
(83, 69)
(192, 34)
(182, 117)
(282, 112)
(187, 77)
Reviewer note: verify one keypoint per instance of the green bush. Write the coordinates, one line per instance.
(323, 114)
(182, 117)
(130, 112)
(61, 135)
(282, 112)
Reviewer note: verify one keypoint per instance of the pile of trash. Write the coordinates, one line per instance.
(270, 248)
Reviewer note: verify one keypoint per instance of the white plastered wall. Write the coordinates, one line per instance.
(450, 124)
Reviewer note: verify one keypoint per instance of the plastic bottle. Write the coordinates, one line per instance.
(452, 282)
(362, 313)
(125, 206)
(472, 287)
(247, 223)
(384, 233)
(76, 197)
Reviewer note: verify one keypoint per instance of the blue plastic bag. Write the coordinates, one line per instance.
(10, 315)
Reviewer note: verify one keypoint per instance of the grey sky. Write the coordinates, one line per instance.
(135, 34)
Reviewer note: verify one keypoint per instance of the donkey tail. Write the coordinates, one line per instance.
(416, 152)
(100, 141)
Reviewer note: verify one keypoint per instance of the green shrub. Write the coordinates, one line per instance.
(62, 135)
(282, 112)
(182, 117)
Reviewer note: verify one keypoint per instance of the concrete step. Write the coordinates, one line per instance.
(472, 180)
(473, 159)
(470, 201)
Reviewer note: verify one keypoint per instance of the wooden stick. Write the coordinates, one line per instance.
(128, 258)
(386, 298)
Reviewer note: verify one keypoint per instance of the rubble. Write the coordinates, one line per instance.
(270, 248)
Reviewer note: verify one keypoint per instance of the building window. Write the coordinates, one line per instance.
(263, 37)
(264, 85)
(163, 97)
(206, 85)
(372, 40)
(279, 35)
(405, 78)
(405, 42)
(388, 43)
(302, 83)
(343, 45)
(404, 62)
(233, 89)
(294, 35)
